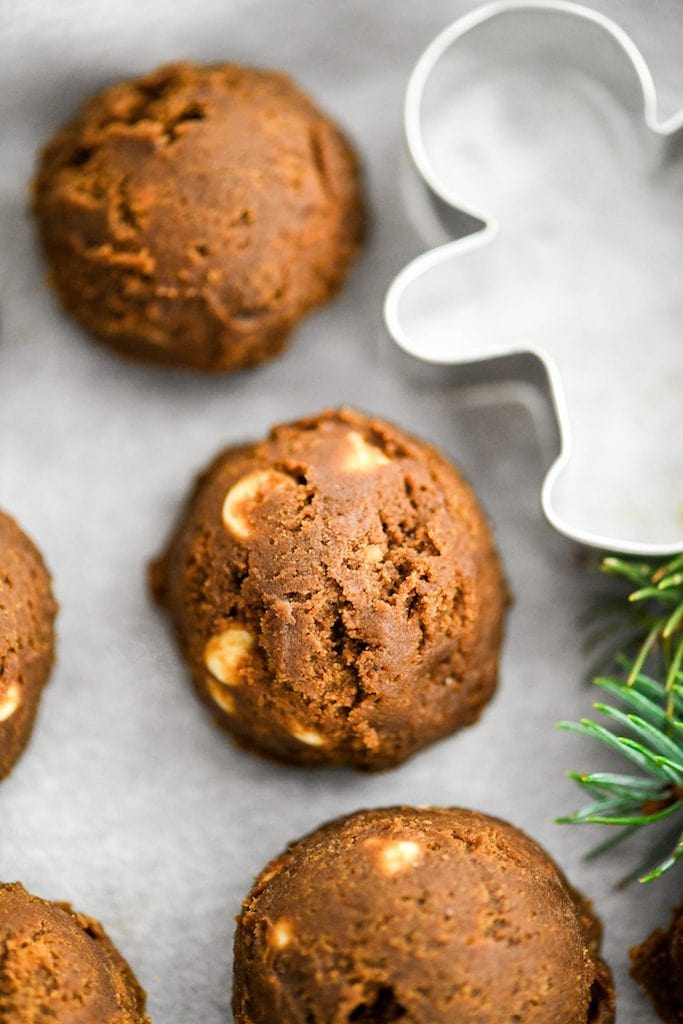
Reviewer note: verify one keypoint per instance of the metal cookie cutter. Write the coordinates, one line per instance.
(546, 113)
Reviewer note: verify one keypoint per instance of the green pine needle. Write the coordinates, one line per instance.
(645, 722)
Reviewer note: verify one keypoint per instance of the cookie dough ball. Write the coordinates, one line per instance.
(193, 216)
(336, 593)
(59, 967)
(657, 965)
(27, 612)
(427, 916)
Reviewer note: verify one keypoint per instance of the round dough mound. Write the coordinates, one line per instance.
(336, 593)
(59, 967)
(192, 217)
(27, 612)
(657, 965)
(423, 916)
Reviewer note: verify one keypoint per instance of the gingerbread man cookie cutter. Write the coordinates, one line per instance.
(546, 113)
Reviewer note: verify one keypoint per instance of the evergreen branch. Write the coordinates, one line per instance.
(651, 734)
(637, 572)
(666, 864)
(611, 814)
(633, 697)
(612, 782)
(672, 622)
(645, 722)
(609, 844)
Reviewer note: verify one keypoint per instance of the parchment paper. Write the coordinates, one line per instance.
(129, 803)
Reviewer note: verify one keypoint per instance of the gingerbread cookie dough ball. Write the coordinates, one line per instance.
(336, 593)
(657, 965)
(27, 612)
(193, 216)
(59, 967)
(427, 916)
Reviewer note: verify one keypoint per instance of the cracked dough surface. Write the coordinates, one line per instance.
(335, 593)
(193, 216)
(60, 967)
(419, 915)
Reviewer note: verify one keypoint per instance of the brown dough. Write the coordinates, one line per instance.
(59, 967)
(192, 217)
(27, 612)
(336, 593)
(657, 965)
(423, 916)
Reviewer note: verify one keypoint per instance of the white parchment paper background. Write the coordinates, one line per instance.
(129, 803)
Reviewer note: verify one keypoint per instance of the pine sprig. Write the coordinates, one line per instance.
(644, 717)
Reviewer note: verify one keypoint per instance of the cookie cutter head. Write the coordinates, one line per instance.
(546, 112)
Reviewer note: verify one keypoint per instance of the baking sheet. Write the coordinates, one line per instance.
(129, 803)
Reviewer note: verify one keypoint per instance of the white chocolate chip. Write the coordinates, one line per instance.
(374, 554)
(397, 855)
(280, 934)
(248, 492)
(226, 652)
(10, 701)
(221, 696)
(308, 736)
(362, 457)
